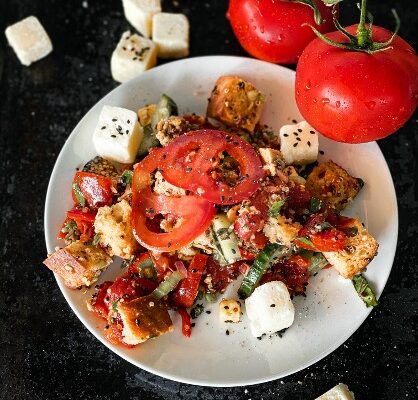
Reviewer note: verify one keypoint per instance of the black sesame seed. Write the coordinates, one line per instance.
(273, 305)
(309, 143)
(112, 135)
(321, 152)
(124, 48)
(103, 127)
(299, 130)
(226, 307)
(298, 139)
(295, 144)
(312, 132)
(295, 133)
(128, 121)
(227, 332)
(135, 58)
(207, 312)
(285, 135)
(233, 251)
(192, 324)
(294, 121)
(127, 131)
(114, 119)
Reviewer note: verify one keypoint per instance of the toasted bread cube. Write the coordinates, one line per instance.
(145, 114)
(299, 143)
(161, 186)
(29, 40)
(140, 12)
(78, 264)
(360, 248)
(281, 230)
(333, 184)
(170, 128)
(113, 224)
(118, 135)
(132, 56)
(339, 392)
(236, 103)
(171, 34)
(272, 160)
(270, 308)
(229, 310)
(144, 318)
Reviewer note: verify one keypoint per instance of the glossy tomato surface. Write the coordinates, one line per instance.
(272, 30)
(355, 97)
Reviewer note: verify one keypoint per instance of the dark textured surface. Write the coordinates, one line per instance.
(46, 353)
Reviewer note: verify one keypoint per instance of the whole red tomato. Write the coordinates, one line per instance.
(355, 97)
(272, 29)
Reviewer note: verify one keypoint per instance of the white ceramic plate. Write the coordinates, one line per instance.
(331, 311)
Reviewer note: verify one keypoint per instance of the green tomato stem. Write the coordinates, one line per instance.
(363, 34)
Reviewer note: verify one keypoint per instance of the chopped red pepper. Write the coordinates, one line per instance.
(186, 293)
(96, 189)
(186, 325)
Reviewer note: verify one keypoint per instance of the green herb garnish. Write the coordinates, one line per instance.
(196, 311)
(364, 290)
(96, 239)
(274, 210)
(79, 196)
(115, 306)
(127, 177)
(315, 205)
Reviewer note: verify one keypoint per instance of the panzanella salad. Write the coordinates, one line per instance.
(193, 202)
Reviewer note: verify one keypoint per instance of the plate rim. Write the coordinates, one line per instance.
(155, 371)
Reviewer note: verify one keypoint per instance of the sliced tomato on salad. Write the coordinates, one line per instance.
(191, 159)
(192, 214)
(92, 190)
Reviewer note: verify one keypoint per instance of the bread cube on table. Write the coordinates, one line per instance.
(299, 143)
(132, 56)
(236, 103)
(113, 224)
(359, 250)
(140, 12)
(29, 40)
(333, 184)
(118, 135)
(270, 308)
(144, 318)
(171, 34)
(78, 264)
(229, 310)
(339, 392)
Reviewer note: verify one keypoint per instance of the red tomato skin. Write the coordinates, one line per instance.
(354, 97)
(96, 189)
(272, 30)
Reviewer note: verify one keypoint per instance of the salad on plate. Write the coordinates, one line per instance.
(192, 203)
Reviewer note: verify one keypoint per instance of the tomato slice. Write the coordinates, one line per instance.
(96, 189)
(193, 214)
(189, 162)
(329, 240)
(186, 325)
(186, 293)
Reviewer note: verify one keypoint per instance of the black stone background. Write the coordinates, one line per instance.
(45, 351)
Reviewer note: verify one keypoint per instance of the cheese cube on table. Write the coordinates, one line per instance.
(299, 143)
(118, 135)
(171, 34)
(339, 392)
(29, 40)
(140, 12)
(132, 56)
(270, 308)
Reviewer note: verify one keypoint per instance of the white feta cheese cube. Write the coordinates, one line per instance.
(171, 34)
(29, 40)
(140, 12)
(132, 56)
(229, 310)
(270, 308)
(299, 143)
(339, 392)
(118, 135)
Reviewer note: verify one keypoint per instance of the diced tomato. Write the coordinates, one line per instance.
(194, 213)
(247, 224)
(297, 198)
(186, 325)
(99, 304)
(186, 293)
(246, 255)
(223, 275)
(96, 189)
(190, 160)
(84, 221)
(329, 240)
